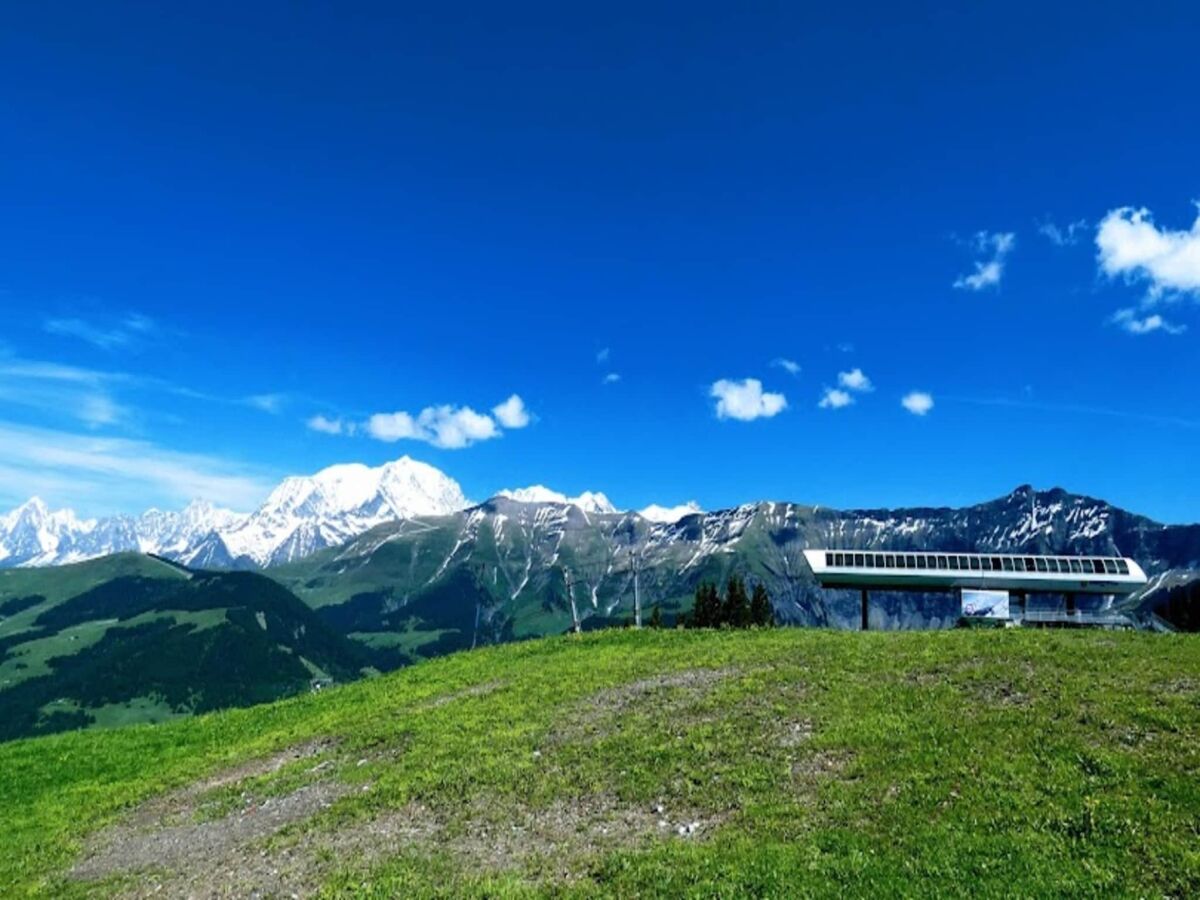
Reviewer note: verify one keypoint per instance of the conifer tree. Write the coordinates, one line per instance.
(706, 612)
(761, 612)
(735, 611)
(656, 617)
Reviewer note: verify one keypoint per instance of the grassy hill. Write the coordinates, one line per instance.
(776, 763)
(130, 638)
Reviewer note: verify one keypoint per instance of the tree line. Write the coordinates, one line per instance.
(736, 609)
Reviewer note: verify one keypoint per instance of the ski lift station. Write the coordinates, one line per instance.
(990, 585)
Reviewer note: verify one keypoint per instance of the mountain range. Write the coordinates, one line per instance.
(358, 570)
(300, 516)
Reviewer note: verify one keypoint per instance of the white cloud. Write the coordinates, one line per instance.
(116, 473)
(989, 271)
(512, 413)
(788, 365)
(611, 378)
(745, 400)
(1066, 236)
(1130, 244)
(602, 355)
(1128, 320)
(326, 425)
(917, 402)
(669, 514)
(106, 337)
(59, 391)
(448, 427)
(855, 380)
(835, 399)
(268, 403)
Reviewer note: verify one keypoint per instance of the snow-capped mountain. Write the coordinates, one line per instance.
(303, 514)
(307, 513)
(588, 501)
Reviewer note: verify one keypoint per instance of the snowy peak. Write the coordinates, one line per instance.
(302, 514)
(588, 501)
(307, 513)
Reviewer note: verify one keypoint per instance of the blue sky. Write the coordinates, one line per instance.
(710, 250)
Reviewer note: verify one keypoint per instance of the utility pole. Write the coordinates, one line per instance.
(571, 597)
(637, 598)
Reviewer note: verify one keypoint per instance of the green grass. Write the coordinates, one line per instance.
(963, 763)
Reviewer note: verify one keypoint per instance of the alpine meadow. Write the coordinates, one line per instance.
(627, 450)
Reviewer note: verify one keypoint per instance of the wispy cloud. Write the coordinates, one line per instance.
(268, 403)
(1065, 236)
(611, 378)
(833, 398)
(327, 425)
(113, 335)
(602, 355)
(995, 248)
(60, 391)
(919, 403)
(118, 473)
(745, 400)
(1081, 410)
(788, 365)
(1132, 322)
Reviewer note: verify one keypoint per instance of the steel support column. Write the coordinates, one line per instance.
(865, 623)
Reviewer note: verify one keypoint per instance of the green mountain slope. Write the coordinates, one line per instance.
(778, 763)
(132, 638)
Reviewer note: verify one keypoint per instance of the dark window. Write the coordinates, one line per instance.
(921, 561)
(829, 559)
(910, 561)
(954, 562)
(858, 560)
(901, 562)
(1052, 565)
(986, 562)
(1087, 566)
(1075, 566)
(890, 561)
(1098, 566)
(1110, 566)
(1029, 566)
(837, 559)
(1040, 564)
(941, 563)
(1007, 563)
(975, 563)
(1063, 566)
(1019, 564)
(1122, 567)
(869, 561)
(996, 564)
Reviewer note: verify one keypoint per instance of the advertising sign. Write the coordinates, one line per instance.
(985, 604)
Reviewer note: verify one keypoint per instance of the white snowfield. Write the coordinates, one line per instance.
(302, 515)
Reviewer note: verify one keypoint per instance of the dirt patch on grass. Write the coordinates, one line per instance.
(164, 848)
(818, 766)
(998, 693)
(167, 835)
(595, 716)
(479, 690)
(795, 734)
(232, 858)
(1178, 687)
